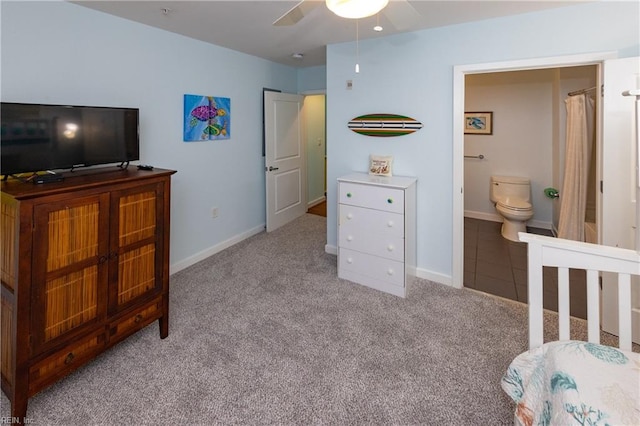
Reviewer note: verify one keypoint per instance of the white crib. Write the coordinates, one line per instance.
(565, 254)
(577, 382)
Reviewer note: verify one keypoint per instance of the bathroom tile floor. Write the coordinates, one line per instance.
(495, 265)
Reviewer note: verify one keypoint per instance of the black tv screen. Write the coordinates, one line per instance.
(37, 137)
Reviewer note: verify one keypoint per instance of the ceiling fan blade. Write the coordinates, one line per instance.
(401, 14)
(296, 13)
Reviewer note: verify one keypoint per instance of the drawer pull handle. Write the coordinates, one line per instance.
(390, 200)
(390, 271)
(350, 238)
(349, 260)
(349, 216)
(69, 358)
(138, 318)
(390, 247)
(348, 195)
(390, 224)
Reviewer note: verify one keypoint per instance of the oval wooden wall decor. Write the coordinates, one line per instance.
(384, 125)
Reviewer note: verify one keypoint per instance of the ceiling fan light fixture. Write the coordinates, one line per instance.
(356, 9)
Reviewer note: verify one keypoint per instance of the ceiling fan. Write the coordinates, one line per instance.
(400, 13)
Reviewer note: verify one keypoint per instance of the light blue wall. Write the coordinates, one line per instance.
(312, 79)
(412, 74)
(57, 52)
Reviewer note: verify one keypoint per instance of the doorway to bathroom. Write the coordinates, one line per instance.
(527, 141)
(616, 212)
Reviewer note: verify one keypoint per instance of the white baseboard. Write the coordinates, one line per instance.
(191, 260)
(436, 277)
(495, 217)
(316, 202)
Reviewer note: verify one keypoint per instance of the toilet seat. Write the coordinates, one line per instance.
(515, 204)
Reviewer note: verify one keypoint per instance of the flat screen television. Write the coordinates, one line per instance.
(38, 137)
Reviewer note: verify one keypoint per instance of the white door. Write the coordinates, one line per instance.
(285, 165)
(618, 179)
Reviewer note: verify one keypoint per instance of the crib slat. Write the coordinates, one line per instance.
(624, 311)
(563, 304)
(593, 306)
(534, 295)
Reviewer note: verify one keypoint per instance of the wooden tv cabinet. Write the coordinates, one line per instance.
(84, 264)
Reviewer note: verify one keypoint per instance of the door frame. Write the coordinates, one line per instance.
(306, 119)
(459, 73)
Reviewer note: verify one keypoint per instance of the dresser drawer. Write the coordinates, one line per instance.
(64, 361)
(374, 221)
(372, 197)
(366, 265)
(389, 247)
(135, 321)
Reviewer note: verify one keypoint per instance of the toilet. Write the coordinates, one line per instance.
(512, 197)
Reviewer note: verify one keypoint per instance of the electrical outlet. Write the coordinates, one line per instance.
(214, 212)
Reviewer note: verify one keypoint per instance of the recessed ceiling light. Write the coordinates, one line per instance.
(297, 55)
(377, 28)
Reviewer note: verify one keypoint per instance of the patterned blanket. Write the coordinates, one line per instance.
(575, 383)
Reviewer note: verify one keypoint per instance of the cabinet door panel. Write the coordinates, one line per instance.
(137, 217)
(71, 300)
(137, 243)
(72, 234)
(69, 274)
(136, 273)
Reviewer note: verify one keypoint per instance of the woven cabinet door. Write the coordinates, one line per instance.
(69, 268)
(136, 265)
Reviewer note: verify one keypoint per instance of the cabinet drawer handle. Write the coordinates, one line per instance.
(69, 358)
(390, 271)
(390, 247)
(390, 200)
(349, 216)
(113, 255)
(348, 195)
(349, 260)
(138, 318)
(350, 238)
(390, 224)
(102, 259)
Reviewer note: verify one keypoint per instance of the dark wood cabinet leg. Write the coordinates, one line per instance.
(19, 409)
(164, 325)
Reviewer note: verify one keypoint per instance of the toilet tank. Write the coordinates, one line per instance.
(503, 187)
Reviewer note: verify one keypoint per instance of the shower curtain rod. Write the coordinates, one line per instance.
(581, 91)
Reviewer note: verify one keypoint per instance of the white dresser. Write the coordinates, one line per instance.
(377, 231)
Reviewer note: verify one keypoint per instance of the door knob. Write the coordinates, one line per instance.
(271, 168)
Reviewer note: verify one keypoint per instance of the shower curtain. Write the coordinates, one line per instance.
(579, 143)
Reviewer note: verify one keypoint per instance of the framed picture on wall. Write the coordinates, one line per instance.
(478, 123)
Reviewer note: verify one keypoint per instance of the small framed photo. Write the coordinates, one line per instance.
(380, 165)
(478, 123)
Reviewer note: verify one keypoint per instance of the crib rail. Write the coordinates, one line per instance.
(565, 254)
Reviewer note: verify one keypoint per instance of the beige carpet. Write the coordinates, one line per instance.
(265, 333)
